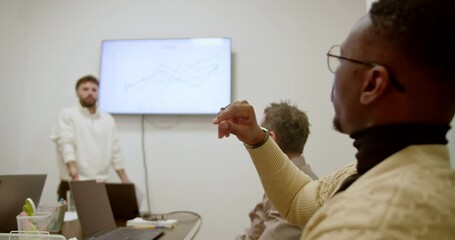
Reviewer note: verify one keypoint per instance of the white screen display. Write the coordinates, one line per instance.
(165, 76)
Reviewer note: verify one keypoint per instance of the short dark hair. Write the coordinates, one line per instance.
(424, 30)
(290, 124)
(88, 78)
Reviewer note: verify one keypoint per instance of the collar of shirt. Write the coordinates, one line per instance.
(87, 113)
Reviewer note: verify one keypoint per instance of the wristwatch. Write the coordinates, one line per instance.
(266, 131)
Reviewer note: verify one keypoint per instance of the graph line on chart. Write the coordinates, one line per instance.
(192, 74)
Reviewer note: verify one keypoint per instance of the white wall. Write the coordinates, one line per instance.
(278, 53)
(369, 3)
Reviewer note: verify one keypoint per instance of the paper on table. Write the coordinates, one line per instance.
(140, 222)
(70, 216)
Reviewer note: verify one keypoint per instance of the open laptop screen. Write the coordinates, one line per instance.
(92, 206)
(96, 218)
(14, 189)
(123, 200)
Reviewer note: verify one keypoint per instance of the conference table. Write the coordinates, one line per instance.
(187, 226)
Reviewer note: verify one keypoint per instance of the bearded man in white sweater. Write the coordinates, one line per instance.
(86, 139)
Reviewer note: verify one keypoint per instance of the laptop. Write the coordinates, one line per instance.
(123, 200)
(14, 189)
(96, 217)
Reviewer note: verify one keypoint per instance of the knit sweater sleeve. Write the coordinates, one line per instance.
(291, 191)
(63, 135)
(117, 161)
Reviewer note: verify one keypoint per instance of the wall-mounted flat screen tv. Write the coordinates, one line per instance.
(181, 76)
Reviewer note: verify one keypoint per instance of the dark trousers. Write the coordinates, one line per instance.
(63, 187)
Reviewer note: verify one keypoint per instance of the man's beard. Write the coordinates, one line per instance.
(88, 104)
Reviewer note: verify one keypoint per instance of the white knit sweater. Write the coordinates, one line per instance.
(89, 139)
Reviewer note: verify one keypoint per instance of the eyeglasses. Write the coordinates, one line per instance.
(334, 60)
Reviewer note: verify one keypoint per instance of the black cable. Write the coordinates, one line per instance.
(199, 217)
(144, 161)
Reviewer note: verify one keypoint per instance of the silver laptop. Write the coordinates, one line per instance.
(96, 217)
(14, 189)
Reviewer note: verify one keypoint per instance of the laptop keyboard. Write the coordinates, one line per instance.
(146, 235)
(118, 233)
(126, 233)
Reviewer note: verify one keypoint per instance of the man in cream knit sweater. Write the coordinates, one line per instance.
(393, 93)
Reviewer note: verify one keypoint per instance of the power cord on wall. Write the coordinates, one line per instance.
(144, 161)
(144, 157)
